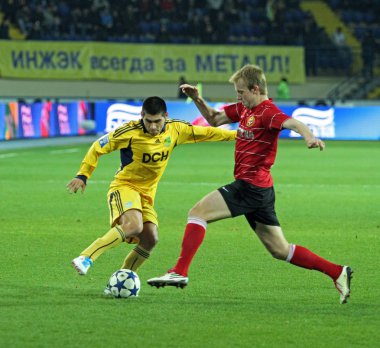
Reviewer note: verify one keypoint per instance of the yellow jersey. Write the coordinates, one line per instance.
(144, 157)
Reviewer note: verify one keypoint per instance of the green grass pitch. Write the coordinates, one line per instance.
(238, 296)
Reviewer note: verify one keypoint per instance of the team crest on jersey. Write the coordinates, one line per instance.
(167, 142)
(251, 121)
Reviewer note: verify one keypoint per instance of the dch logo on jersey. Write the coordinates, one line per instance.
(321, 122)
(155, 157)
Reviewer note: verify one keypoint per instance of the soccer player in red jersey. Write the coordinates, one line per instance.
(252, 193)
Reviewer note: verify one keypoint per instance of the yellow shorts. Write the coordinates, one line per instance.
(125, 198)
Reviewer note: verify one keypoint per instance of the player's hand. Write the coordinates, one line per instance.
(314, 143)
(76, 184)
(190, 91)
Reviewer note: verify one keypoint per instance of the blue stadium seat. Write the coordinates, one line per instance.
(360, 31)
(370, 17)
(334, 4)
(358, 17)
(258, 15)
(237, 30)
(155, 28)
(144, 27)
(376, 32)
(347, 16)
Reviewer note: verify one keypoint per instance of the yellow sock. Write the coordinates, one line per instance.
(137, 256)
(112, 238)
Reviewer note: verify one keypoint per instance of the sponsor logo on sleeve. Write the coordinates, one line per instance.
(104, 140)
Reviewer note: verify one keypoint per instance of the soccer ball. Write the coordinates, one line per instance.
(124, 283)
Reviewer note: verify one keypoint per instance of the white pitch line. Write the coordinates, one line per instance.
(8, 155)
(218, 184)
(60, 152)
(178, 183)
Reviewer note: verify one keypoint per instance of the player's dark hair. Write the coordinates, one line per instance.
(154, 106)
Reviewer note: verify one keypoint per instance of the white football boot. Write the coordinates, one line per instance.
(82, 264)
(343, 284)
(170, 279)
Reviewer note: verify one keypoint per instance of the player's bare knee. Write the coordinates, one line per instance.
(278, 253)
(153, 242)
(132, 228)
(148, 242)
(197, 211)
(149, 236)
(193, 210)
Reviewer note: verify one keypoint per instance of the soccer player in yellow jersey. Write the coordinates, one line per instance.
(145, 147)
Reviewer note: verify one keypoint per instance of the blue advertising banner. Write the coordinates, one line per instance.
(339, 123)
(40, 120)
(109, 116)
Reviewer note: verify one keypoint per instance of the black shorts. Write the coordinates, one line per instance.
(255, 203)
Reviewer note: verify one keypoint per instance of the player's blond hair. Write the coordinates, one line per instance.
(252, 75)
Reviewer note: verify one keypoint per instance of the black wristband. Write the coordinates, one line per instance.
(83, 178)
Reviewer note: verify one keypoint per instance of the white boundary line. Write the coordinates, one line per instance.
(218, 184)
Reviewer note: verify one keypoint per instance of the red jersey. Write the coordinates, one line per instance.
(256, 141)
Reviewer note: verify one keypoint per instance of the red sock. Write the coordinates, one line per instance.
(193, 238)
(303, 257)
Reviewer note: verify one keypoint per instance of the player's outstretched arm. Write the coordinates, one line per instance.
(76, 184)
(98, 148)
(311, 141)
(214, 117)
